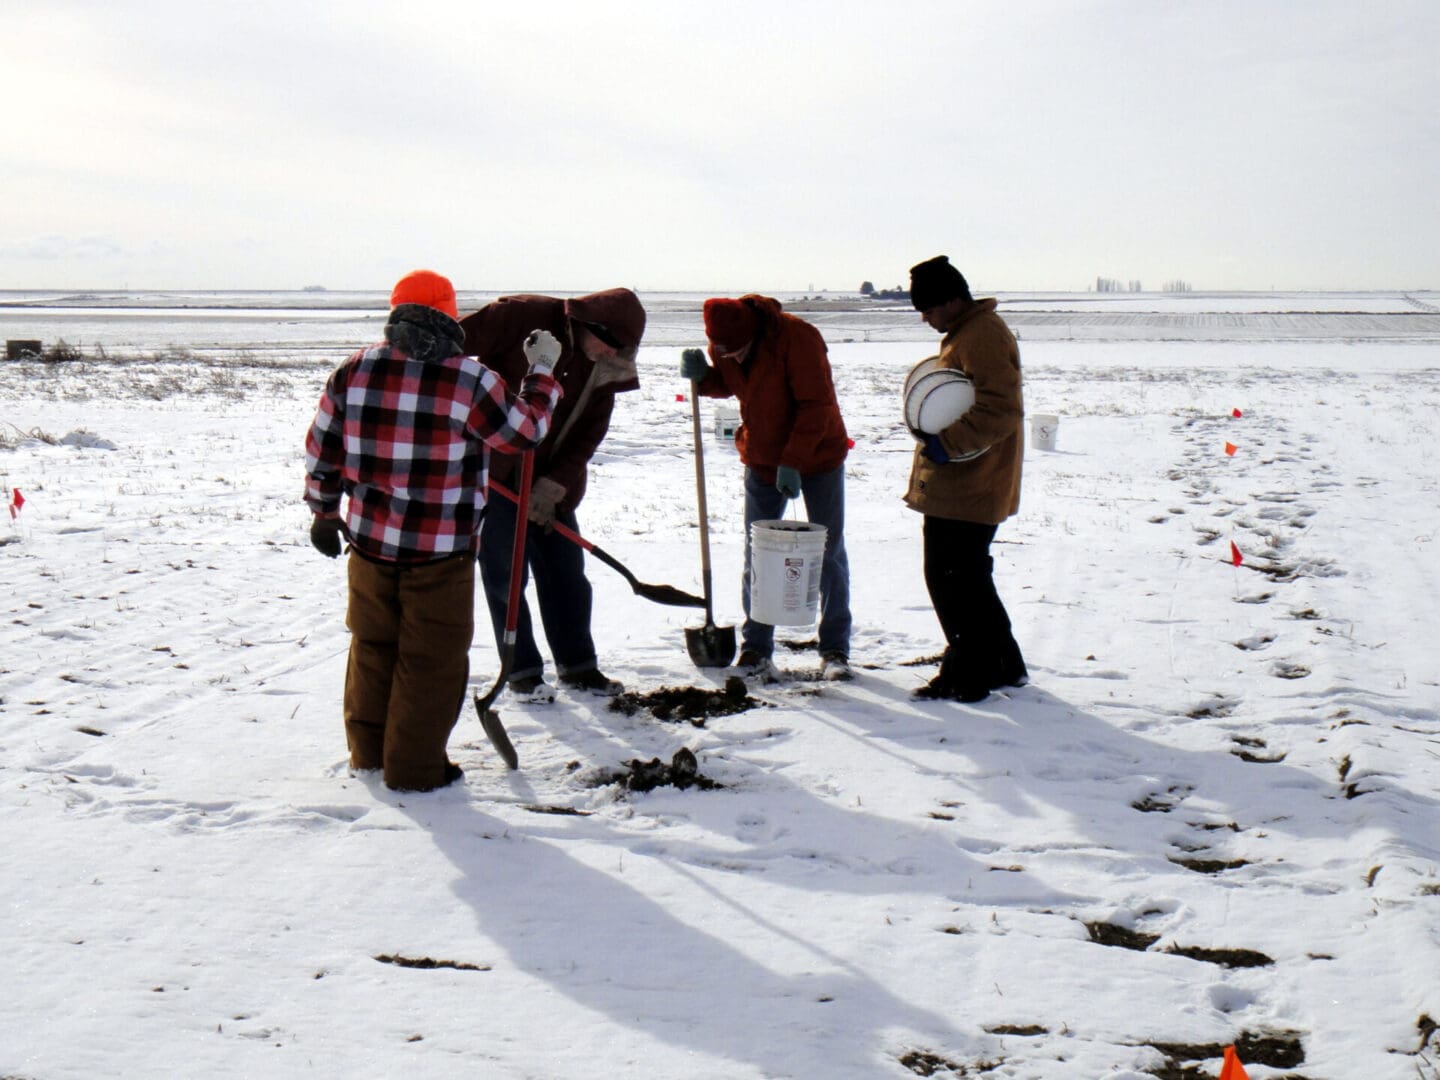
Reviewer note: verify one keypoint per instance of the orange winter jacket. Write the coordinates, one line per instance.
(985, 489)
(789, 414)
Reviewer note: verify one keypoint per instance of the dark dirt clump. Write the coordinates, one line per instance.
(682, 772)
(1228, 958)
(688, 702)
(1278, 1051)
(1110, 934)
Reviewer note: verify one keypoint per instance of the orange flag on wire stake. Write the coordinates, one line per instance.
(1235, 556)
(17, 502)
(1232, 1069)
(1236, 413)
(1230, 449)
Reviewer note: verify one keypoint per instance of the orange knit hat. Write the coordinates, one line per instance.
(428, 288)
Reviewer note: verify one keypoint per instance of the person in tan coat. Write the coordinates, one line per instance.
(964, 498)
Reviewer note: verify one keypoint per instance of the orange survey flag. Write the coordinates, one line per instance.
(1230, 448)
(1235, 556)
(17, 502)
(1236, 413)
(1232, 1069)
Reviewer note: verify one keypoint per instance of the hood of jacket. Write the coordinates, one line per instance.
(616, 311)
(424, 333)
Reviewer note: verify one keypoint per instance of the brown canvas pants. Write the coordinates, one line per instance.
(409, 662)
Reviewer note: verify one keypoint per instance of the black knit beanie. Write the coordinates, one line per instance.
(935, 282)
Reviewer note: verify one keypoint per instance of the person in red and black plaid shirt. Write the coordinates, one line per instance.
(405, 430)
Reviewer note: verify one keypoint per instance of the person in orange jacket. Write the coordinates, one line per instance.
(793, 443)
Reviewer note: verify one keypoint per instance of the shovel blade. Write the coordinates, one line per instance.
(499, 737)
(667, 594)
(710, 645)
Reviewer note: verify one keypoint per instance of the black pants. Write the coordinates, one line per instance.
(980, 651)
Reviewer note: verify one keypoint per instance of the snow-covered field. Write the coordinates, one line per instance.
(1212, 818)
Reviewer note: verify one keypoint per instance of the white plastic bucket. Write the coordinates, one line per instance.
(1044, 431)
(727, 420)
(785, 559)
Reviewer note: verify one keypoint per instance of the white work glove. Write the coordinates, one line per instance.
(545, 496)
(541, 351)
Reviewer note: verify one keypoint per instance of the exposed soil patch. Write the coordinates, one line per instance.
(1220, 707)
(550, 808)
(682, 772)
(924, 1063)
(1211, 866)
(1151, 805)
(1279, 1051)
(1161, 803)
(1117, 936)
(676, 703)
(1227, 958)
(1121, 938)
(1018, 1029)
(428, 964)
(1258, 759)
(1248, 749)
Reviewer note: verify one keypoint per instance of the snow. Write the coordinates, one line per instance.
(195, 885)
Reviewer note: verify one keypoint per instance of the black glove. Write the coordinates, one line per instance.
(326, 534)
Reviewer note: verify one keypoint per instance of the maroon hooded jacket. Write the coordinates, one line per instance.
(496, 334)
(789, 414)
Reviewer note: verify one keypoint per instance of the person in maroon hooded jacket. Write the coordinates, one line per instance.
(600, 335)
(792, 442)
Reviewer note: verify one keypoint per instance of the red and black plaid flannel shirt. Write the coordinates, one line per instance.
(410, 443)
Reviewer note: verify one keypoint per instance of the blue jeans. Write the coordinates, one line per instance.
(824, 495)
(561, 587)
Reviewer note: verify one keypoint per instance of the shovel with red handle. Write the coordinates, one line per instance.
(489, 718)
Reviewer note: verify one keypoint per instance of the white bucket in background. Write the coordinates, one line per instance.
(1044, 431)
(727, 419)
(785, 558)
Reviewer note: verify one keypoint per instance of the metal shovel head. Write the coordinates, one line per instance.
(710, 645)
(498, 736)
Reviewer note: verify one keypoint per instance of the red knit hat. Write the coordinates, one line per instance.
(730, 324)
(428, 288)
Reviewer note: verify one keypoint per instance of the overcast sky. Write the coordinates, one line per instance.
(672, 145)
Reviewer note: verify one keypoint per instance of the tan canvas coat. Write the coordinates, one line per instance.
(987, 488)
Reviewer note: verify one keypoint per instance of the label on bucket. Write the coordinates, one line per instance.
(802, 588)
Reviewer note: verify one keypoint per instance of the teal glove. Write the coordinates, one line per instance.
(787, 481)
(693, 365)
